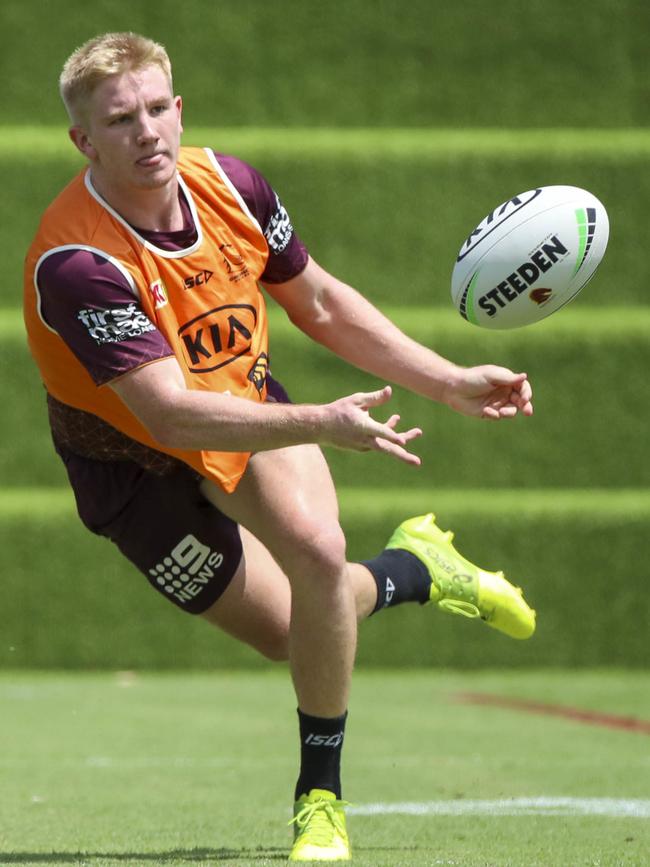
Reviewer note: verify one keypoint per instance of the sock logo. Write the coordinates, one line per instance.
(324, 740)
(390, 591)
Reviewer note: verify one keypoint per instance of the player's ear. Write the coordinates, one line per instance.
(178, 102)
(80, 139)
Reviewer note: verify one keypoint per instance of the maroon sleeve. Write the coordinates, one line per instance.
(88, 301)
(287, 254)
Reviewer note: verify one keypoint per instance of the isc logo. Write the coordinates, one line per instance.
(324, 740)
(199, 279)
(218, 337)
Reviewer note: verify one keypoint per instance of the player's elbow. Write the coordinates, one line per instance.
(313, 320)
(162, 421)
(158, 404)
(167, 430)
(162, 432)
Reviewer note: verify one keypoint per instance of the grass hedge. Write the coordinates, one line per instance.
(560, 500)
(387, 211)
(71, 601)
(371, 62)
(588, 369)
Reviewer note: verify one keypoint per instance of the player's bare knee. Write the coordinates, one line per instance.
(319, 553)
(274, 649)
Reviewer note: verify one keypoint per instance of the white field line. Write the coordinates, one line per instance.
(542, 806)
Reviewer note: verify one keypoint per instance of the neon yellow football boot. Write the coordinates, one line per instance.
(460, 587)
(320, 833)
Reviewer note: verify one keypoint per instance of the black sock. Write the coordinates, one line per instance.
(400, 577)
(321, 743)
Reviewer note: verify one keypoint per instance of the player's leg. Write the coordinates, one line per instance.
(255, 607)
(193, 555)
(287, 500)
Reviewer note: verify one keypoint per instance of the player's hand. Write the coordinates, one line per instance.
(490, 392)
(349, 425)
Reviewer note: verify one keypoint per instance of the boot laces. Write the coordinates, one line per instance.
(321, 820)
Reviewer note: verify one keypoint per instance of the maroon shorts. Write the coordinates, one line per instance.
(186, 548)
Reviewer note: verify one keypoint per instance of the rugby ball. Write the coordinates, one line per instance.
(529, 257)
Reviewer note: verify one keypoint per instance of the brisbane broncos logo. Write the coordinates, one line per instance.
(540, 295)
(257, 373)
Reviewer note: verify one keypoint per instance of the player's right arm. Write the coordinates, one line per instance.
(178, 417)
(77, 284)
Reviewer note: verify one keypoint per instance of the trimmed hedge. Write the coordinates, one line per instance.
(371, 62)
(588, 371)
(385, 211)
(71, 601)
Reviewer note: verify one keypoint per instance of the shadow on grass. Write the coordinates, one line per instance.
(173, 856)
(170, 857)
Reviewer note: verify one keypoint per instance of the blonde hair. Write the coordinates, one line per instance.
(101, 57)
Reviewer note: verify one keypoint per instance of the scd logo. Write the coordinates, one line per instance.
(218, 337)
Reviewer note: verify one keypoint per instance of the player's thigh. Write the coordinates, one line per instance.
(256, 605)
(187, 549)
(202, 561)
(287, 499)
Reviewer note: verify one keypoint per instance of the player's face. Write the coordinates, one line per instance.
(133, 129)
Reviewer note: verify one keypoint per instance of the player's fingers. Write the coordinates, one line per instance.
(490, 413)
(526, 390)
(503, 376)
(382, 432)
(408, 435)
(373, 398)
(397, 451)
(522, 393)
(412, 434)
(523, 401)
(518, 399)
(373, 429)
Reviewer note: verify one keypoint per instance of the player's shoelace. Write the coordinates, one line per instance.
(322, 819)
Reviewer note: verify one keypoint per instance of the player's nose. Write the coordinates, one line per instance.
(145, 130)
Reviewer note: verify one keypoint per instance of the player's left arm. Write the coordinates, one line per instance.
(338, 317)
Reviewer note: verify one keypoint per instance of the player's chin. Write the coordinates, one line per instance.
(153, 180)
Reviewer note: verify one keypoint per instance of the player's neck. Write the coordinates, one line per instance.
(156, 210)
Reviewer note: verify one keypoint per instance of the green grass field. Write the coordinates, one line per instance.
(142, 769)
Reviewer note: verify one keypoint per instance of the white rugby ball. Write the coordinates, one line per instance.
(529, 257)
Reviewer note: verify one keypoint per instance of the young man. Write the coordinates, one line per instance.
(145, 317)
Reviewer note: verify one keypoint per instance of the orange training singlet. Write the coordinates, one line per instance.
(204, 299)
